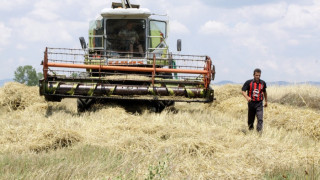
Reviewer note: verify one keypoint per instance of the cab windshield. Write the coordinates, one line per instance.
(126, 36)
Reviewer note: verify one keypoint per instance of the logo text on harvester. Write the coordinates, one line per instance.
(124, 62)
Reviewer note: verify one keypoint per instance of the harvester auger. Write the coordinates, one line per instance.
(126, 60)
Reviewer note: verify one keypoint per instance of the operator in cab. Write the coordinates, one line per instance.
(130, 39)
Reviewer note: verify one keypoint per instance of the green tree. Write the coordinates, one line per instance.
(27, 75)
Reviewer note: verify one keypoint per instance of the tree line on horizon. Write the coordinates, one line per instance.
(27, 75)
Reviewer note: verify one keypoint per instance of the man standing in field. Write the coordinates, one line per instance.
(254, 91)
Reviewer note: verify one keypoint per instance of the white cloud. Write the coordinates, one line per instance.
(185, 11)
(302, 17)
(214, 27)
(5, 35)
(267, 29)
(252, 45)
(272, 35)
(55, 32)
(21, 46)
(300, 69)
(48, 5)
(225, 70)
(22, 60)
(270, 64)
(66, 9)
(283, 14)
(264, 12)
(293, 42)
(179, 28)
(8, 5)
(44, 14)
(92, 9)
(241, 29)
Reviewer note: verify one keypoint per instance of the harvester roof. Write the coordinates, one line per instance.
(130, 12)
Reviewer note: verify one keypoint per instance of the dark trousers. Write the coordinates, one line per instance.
(255, 109)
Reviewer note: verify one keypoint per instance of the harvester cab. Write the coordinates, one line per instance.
(127, 30)
(126, 59)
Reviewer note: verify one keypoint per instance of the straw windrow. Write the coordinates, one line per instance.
(207, 141)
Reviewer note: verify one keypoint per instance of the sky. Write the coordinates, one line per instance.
(281, 37)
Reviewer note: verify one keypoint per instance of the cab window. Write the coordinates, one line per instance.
(158, 32)
(124, 35)
(96, 32)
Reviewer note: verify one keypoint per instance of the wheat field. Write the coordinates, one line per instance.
(41, 140)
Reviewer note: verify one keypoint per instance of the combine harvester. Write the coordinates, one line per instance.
(128, 61)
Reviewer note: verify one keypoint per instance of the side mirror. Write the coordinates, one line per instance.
(83, 43)
(179, 45)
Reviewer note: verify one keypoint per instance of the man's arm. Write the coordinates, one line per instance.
(246, 96)
(265, 99)
(245, 88)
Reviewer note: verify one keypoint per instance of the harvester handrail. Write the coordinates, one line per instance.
(107, 51)
(74, 54)
(125, 68)
(183, 66)
(182, 55)
(49, 48)
(88, 63)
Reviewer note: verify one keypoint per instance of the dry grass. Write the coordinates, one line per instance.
(198, 141)
(297, 95)
(14, 96)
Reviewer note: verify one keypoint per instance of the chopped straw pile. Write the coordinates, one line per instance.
(195, 141)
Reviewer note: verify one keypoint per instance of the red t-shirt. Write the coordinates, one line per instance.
(254, 89)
